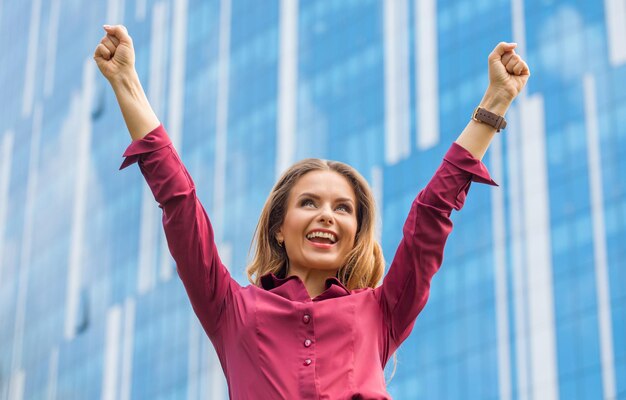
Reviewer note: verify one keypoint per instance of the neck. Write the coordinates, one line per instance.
(314, 279)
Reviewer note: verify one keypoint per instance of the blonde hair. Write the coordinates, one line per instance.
(364, 265)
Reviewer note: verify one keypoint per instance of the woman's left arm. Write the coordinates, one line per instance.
(508, 74)
(406, 285)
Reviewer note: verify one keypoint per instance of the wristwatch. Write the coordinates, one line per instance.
(489, 118)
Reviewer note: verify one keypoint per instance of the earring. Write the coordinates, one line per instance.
(280, 243)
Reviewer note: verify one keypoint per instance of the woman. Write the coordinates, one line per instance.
(313, 323)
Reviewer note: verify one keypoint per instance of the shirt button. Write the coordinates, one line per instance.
(307, 362)
(306, 318)
(307, 343)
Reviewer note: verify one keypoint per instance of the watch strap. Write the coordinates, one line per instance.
(489, 118)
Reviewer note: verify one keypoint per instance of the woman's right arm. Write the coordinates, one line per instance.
(186, 224)
(115, 57)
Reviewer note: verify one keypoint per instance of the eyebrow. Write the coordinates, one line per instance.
(307, 194)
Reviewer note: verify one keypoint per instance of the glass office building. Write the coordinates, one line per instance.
(530, 302)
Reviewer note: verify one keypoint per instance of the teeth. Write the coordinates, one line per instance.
(322, 235)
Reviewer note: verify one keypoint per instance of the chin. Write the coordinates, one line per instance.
(325, 266)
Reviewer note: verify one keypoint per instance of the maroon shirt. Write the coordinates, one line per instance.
(274, 341)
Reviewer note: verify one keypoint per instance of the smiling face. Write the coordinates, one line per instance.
(320, 224)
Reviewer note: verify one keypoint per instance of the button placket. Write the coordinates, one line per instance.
(306, 320)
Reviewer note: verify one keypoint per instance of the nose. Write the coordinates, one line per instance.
(326, 215)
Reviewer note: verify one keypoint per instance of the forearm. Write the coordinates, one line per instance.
(138, 114)
(477, 136)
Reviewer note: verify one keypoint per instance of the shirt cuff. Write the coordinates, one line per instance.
(153, 141)
(458, 156)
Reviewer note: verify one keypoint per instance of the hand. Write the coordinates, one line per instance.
(508, 72)
(115, 54)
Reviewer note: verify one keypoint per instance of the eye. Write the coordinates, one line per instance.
(345, 208)
(307, 202)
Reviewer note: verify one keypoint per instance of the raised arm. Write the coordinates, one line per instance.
(508, 74)
(115, 56)
(186, 224)
(406, 286)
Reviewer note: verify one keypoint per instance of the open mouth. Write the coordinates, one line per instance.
(321, 239)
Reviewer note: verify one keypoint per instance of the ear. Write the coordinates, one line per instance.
(279, 235)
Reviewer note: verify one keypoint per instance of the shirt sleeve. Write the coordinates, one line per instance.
(186, 224)
(405, 288)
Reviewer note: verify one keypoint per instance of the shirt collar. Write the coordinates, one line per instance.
(293, 288)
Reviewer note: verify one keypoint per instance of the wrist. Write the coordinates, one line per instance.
(496, 101)
(126, 84)
(138, 114)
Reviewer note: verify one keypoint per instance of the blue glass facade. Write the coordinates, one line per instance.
(530, 302)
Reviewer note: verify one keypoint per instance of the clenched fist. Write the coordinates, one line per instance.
(508, 72)
(115, 54)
